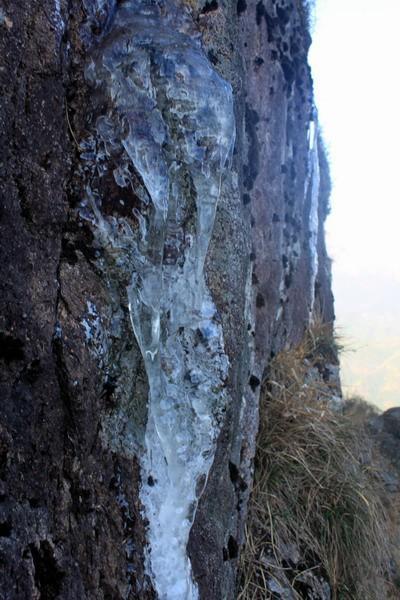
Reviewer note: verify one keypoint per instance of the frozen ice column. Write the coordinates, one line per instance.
(173, 116)
(312, 189)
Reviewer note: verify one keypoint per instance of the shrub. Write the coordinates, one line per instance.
(314, 515)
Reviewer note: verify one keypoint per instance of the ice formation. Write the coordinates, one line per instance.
(173, 116)
(58, 20)
(312, 189)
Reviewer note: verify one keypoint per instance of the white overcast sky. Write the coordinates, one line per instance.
(355, 58)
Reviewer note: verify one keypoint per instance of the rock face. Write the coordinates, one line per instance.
(164, 189)
(384, 430)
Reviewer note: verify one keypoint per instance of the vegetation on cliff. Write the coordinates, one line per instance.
(316, 521)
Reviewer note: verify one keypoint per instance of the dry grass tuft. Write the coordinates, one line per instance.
(314, 514)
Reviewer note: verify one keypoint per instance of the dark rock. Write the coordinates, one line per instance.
(73, 382)
(391, 421)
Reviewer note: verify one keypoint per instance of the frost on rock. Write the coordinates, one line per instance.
(58, 19)
(170, 117)
(95, 335)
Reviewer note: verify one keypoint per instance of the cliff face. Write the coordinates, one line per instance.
(163, 197)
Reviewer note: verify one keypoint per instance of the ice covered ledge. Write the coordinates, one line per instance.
(170, 116)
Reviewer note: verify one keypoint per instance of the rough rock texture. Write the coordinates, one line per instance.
(74, 385)
(385, 434)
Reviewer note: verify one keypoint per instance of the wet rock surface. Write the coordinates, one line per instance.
(74, 381)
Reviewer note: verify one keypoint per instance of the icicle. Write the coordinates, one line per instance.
(173, 116)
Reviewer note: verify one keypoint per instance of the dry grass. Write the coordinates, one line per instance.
(314, 511)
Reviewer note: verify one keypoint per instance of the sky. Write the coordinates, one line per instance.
(355, 59)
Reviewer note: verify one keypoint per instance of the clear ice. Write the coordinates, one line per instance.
(313, 189)
(173, 116)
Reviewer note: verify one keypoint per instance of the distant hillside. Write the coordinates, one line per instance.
(371, 366)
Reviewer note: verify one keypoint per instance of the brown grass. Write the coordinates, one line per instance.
(314, 510)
